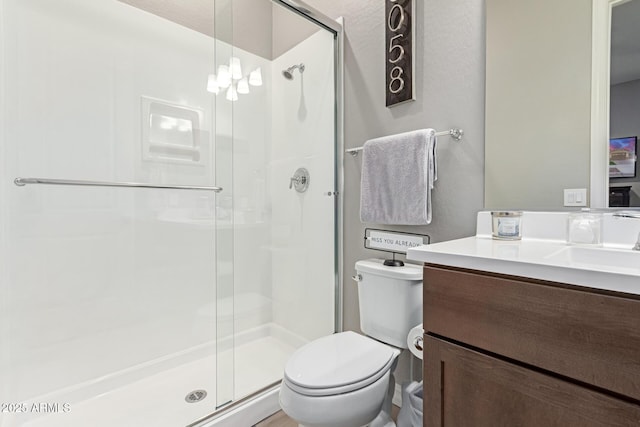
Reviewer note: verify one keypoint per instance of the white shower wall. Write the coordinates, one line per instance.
(303, 223)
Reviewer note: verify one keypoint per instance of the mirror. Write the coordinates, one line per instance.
(624, 99)
(547, 101)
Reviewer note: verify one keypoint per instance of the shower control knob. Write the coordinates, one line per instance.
(300, 180)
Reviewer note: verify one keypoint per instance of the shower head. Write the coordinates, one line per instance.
(288, 73)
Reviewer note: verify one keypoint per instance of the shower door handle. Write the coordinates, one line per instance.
(21, 182)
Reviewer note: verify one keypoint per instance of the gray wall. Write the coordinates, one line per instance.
(538, 110)
(449, 92)
(625, 113)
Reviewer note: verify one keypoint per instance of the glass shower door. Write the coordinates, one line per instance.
(282, 156)
(108, 293)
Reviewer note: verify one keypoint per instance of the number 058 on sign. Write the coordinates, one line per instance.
(399, 51)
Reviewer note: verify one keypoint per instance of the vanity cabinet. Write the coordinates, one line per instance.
(511, 351)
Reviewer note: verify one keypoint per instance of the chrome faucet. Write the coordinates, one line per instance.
(634, 215)
(627, 214)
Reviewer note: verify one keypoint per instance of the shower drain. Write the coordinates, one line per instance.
(195, 396)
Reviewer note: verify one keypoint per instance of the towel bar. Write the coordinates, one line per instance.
(453, 133)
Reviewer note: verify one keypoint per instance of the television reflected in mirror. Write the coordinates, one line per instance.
(622, 157)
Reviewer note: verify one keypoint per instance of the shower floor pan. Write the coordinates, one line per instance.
(159, 400)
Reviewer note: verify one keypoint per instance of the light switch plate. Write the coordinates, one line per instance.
(575, 197)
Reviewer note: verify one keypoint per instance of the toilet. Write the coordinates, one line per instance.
(346, 379)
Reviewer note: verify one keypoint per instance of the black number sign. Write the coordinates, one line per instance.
(399, 51)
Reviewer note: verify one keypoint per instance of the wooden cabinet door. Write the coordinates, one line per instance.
(468, 388)
(576, 333)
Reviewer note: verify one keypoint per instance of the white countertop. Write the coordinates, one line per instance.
(610, 268)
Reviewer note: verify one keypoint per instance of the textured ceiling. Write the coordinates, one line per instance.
(198, 15)
(257, 26)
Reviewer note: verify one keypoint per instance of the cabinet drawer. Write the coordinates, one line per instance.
(590, 337)
(468, 388)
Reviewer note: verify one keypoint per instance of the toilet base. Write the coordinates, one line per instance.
(384, 417)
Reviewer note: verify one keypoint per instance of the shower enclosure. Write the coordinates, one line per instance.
(169, 206)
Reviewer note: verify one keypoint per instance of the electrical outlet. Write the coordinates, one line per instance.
(575, 197)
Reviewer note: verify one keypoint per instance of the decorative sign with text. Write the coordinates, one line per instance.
(399, 45)
(393, 241)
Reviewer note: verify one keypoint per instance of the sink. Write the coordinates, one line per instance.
(603, 259)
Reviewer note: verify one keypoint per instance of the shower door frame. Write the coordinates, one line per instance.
(265, 399)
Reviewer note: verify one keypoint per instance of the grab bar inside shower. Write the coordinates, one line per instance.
(48, 181)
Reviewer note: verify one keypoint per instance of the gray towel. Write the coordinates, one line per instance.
(398, 173)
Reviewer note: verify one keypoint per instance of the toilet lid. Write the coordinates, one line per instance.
(338, 360)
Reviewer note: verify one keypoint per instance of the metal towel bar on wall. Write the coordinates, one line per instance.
(454, 133)
(48, 181)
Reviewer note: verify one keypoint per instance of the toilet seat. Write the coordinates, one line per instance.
(338, 364)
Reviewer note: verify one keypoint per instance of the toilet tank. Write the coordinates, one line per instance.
(390, 300)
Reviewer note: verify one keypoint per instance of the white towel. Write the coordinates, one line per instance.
(398, 174)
